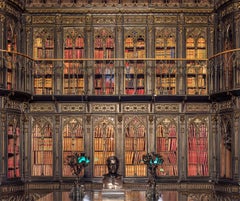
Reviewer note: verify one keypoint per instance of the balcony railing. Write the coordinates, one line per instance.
(120, 76)
(224, 72)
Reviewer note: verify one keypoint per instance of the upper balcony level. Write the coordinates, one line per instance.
(158, 79)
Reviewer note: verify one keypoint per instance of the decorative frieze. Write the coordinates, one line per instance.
(73, 20)
(227, 105)
(42, 107)
(198, 107)
(135, 19)
(196, 19)
(136, 107)
(167, 107)
(73, 107)
(165, 19)
(43, 19)
(106, 19)
(100, 107)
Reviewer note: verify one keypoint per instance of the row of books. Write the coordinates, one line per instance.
(135, 54)
(104, 54)
(200, 131)
(165, 53)
(198, 157)
(166, 144)
(196, 53)
(134, 82)
(198, 81)
(74, 54)
(42, 170)
(165, 42)
(43, 144)
(195, 144)
(136, 170)
(73, 144)
(104, 82)
(101, 144)
(73, 83)
(100, 170)
(198, 170)
(100, 132)
(43, 91)
(41, 54)
(106, 91)
(13, 149)
(100, 157)
(134, 157)
(39, 42)
(167, 170)
(13, 161)
(67, 171)
(137, 144)
(42, 157)
(42, 133)
(166, 81)
(13, 173)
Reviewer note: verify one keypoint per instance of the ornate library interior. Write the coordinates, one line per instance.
(125, 100)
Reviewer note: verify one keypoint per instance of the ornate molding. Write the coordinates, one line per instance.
(136, 107)
(43, 19)
(100, 107)
(73, 20)
(198, 107)
(104, 19)
(167, 107)
(165, 19)
(42, 107)
(73, 107)
(196, 19)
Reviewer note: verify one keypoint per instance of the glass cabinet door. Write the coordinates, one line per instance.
(73, 73)
(13, 147)
(196, 66)
(103, 144)
(166, 66)
(135, 63)
(72, 141)
(135, 146)
(43, 48)
(167, 146)
(198, 147)
(104, 66)
(42, 147)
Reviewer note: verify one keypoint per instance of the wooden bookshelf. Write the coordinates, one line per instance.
(13, 148)
(166, 70)
(104, 146)
(72, 141)
(43, 48)
(167, 147)
(135, 68)
(104, 67)
(11, 59)
(135, 147)
(73, 73)
(42, 150)
(198, 149)
(196, 79)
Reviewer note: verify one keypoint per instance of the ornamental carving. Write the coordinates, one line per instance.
(166, 107)
(109, 108)
(137, 107)
(135, 19)
(42, 107)
(73, 20)
(43, 19)
(201, 107)
(196, 19)
(165, 20)
(225, 105)
(77, 107)
(104, 20)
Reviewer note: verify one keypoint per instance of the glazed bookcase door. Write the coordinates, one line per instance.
(166, 66)
(42, 147)
(196, 66)
(167, 146)
(43, 48)
(104, 144)
(135, 146)
(10, 59)
(13, 147)
(135, 64)
(72, 141)
(73, 75)
(104, 66)
(198, 158)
